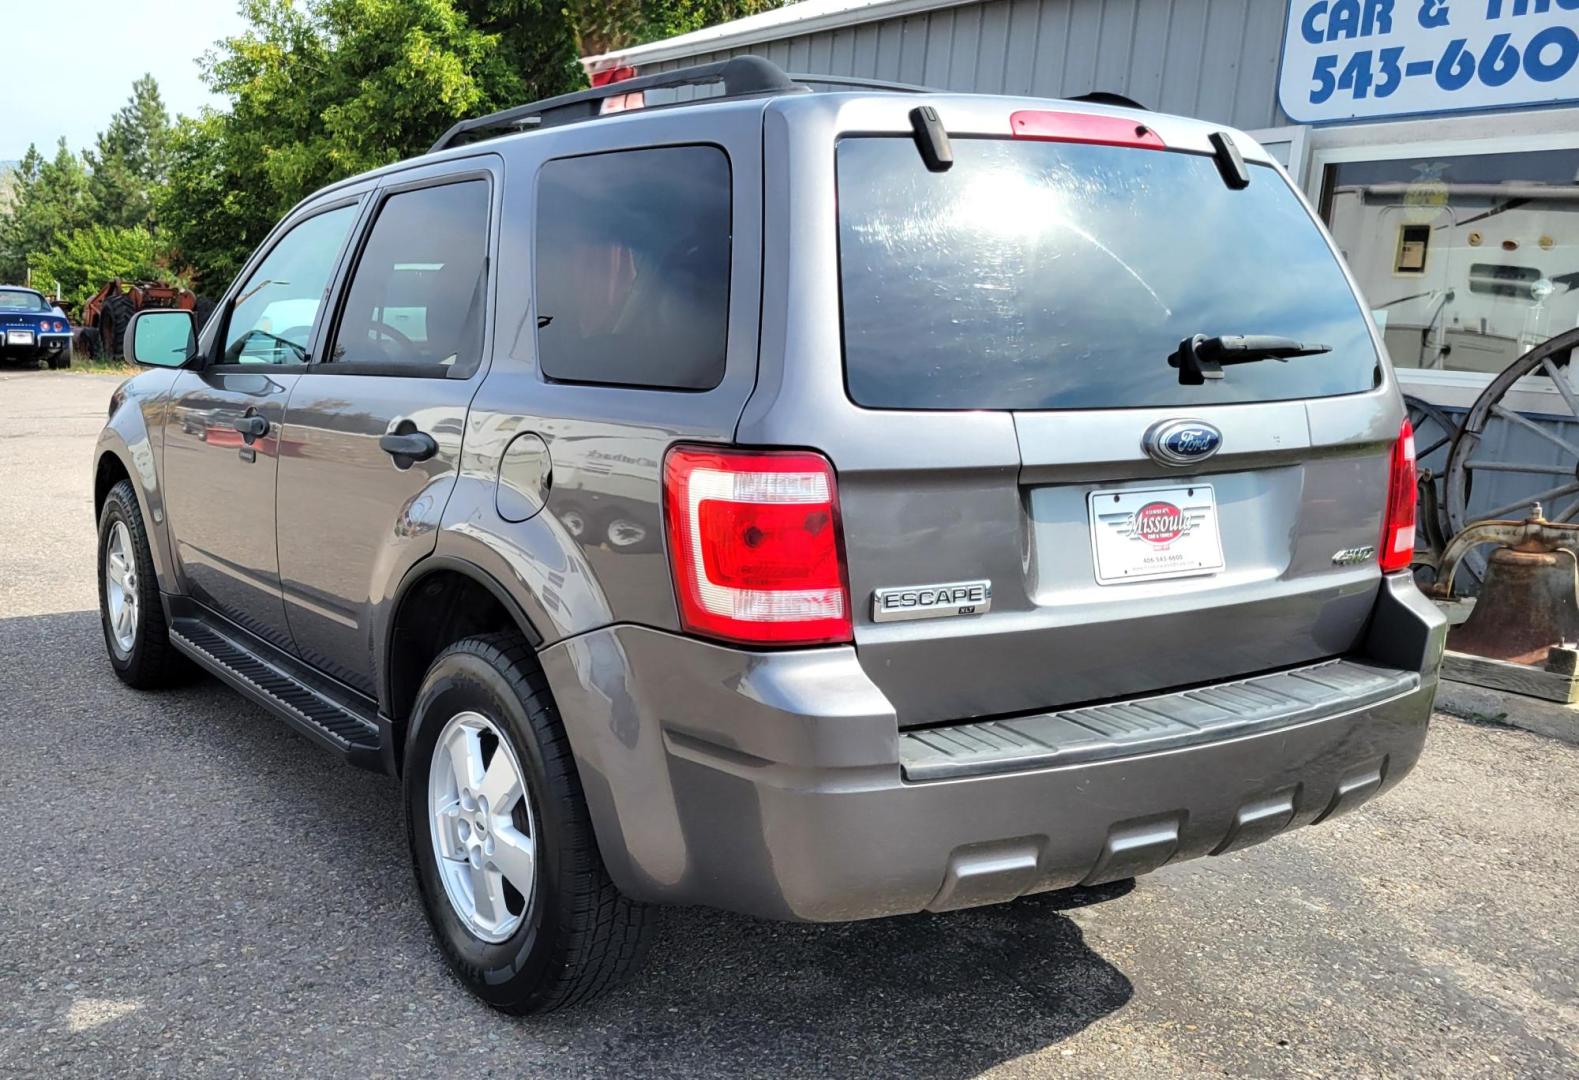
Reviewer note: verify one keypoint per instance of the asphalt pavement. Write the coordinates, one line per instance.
(189, 889)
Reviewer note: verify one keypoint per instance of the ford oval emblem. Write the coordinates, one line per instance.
(1182, 442)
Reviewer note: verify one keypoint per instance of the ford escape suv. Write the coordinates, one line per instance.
(820, 505)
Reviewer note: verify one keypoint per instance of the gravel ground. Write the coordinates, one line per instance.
(189, 889)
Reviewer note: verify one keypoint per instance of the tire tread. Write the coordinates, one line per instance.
(155, 663)
(603, 935)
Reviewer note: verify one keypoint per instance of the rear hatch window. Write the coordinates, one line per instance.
(1046, 275)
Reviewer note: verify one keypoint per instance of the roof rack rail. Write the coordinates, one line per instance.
(742, 76)
(859, 84)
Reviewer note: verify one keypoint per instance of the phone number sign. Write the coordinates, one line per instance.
(1361, 59)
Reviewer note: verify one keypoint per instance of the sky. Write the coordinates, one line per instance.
(69, 66)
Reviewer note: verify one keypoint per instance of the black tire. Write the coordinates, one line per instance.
(116, 313)
(579, 936)
(151, 662)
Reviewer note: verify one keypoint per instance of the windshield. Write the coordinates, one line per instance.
(21, 300)
(1043, 275)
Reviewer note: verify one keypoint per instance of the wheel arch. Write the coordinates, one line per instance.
(463, 600)
(113, 461)
(108, 470)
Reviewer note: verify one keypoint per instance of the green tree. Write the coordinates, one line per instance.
(329, 88)
(83, 259)
(604, 25)
(206, 211)
(51, 198)
(128, 163)
(322, 89)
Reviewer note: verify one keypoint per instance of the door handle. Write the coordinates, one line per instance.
(252, 427)
(408, 447)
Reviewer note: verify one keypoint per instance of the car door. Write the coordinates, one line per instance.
(222, 440)
(375, 424)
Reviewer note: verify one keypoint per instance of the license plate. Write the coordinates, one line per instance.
(19, 337)
(1157, 533)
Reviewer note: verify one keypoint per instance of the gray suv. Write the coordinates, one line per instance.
(820, 505)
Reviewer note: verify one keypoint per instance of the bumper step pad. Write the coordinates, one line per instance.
(1143, 725)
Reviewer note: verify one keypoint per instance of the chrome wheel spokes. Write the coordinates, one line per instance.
(483, 829)
(121, 598)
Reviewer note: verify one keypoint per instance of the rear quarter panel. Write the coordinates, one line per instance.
(605, 444)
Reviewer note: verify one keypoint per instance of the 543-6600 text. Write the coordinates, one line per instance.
(1547, 56)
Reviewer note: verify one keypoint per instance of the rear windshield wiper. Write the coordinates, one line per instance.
(1200, 358)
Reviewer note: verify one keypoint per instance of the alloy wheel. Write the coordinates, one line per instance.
(120, 588)
(483, 830)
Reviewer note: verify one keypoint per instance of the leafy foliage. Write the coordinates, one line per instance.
(317, 90)
(128, 164)
(51, 199)
(84, 259)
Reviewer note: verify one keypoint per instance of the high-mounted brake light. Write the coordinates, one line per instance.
(1398, 526)
(613, 75)
(1074, 127)
(754, 546)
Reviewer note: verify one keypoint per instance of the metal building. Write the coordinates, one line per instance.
(1440, 142)
(1211, 58)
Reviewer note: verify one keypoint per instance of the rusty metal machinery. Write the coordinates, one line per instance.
(1488, 426)
(1529, 595)
(1434, 431)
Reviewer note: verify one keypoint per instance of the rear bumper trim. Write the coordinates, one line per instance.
(1141, 725)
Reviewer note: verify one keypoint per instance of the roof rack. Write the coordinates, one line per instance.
(743, 76)
(808, 79)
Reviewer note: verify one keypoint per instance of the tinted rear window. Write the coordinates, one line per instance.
(1040, 275)
(633, 267)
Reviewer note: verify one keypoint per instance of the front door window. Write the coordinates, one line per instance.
(1467, 261)
(273, 313)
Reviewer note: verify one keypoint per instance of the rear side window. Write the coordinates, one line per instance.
(632, 268)
(1042, 275)
(416, 299)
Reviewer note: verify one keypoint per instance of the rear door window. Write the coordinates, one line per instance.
(632, 267)
(416, 299)
(1043, 275)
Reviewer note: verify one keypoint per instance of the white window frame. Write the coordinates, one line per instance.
(1518, 131)
(1296, 137)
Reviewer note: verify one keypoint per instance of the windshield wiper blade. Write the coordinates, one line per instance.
(1200, 357)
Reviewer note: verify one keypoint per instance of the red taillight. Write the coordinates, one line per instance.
(60, 327)
(754, 546)
(1076, 127)
(1398, 527)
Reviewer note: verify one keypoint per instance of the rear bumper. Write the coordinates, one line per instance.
(775, 784)
(42, 345)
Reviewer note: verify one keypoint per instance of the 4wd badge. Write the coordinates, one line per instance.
(931, 601)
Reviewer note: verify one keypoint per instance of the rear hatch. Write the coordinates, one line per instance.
(1151, 534)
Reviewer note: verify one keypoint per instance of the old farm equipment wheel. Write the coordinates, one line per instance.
(1434, 432)
(1548, 458)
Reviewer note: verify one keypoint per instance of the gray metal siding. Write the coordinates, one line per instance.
(1215, 59)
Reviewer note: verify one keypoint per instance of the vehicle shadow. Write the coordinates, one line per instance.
(921, 995)
(918, 995)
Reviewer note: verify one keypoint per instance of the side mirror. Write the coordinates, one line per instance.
(161, 337)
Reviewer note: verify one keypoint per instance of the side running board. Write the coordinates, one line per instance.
(336, 722)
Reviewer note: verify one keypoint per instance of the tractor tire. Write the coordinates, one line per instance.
(117, 312)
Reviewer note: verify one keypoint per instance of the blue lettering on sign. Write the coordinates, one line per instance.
(1496, 8)
(1433, 13)
(1347, 19)
(1453, 54)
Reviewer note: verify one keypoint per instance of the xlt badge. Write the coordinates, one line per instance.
(903, 602)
